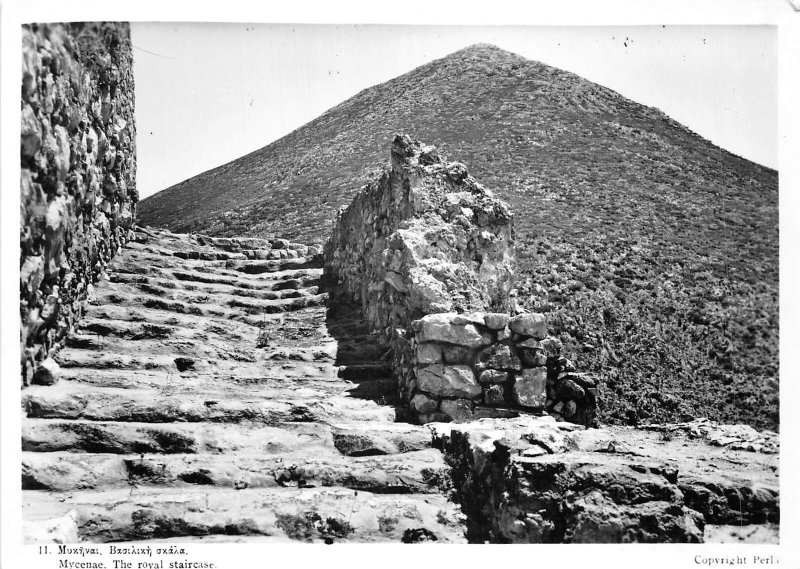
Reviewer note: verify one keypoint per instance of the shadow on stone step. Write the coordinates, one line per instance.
(363, 358)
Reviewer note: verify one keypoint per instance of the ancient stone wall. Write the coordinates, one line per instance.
(469, 366)
(429, 254)
(78, 164)
(424, 238)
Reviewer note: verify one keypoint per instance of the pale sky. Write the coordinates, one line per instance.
(209, 93)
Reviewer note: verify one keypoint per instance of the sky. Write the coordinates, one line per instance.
(209, 93)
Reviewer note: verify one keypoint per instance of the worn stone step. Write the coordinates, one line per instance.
(227, 323)
(222, 294)
(103, 359)
(299, 514)
(49, 435)
(422, 471)
(181, 402)
(233, 243)
(145, 236)
(145, 261)
(353, 439)
(267, 368)
(258, 267)
(201, 346)
(189, 275)
(108, 329)
(209, 255)
(151, 407)
(265, 254)
(283, 377)
(268, 290)
(205, 305)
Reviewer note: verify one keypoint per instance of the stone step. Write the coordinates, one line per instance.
(140, 315)
(268, 290)
(190, 275)
(146, 261)
(281, 376)
(211, 255)
(110, 328)
(102, 359)
(265, 254)
(258, 267)
(290, 364)
(201, 346)
(152, 237)
(182, 403)
(233, 243)
(50, 435)
(299, 514)
(204, 305)
(418, 472)
(354, 439)
(248, 243)
(256, 299)
(348, 438)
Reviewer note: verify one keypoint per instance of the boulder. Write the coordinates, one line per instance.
(439, 328)
(496, 320)
(429, 353)
(449, 381)
(530, 324)
(530, 389)
(421, 403)
(459, 410)
(47, 373)
(569, 389)
(493, 376)
(551, 346)
(585, 380)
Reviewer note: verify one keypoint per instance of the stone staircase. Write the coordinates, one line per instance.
(210, 394)
(213, 392)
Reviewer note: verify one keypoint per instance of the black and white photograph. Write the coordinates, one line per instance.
(285, 281)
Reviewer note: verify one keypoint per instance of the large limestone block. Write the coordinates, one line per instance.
(531, 324)
(530, 389)
(423, 404)
(496, 320)
(459, 410)
(429, 353)
(48, 373)
(440, 328)
(449, 381)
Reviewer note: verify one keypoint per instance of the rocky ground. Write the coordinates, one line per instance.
(213, 393)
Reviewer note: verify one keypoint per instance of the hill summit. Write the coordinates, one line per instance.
(654, 251)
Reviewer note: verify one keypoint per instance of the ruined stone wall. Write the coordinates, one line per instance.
(470, 366)
(78, 165)
(429, 254)
(424, 238)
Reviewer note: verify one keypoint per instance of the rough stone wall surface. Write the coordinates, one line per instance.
(78, 168)
(463, 367)
(430, 255)
(424, 238)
